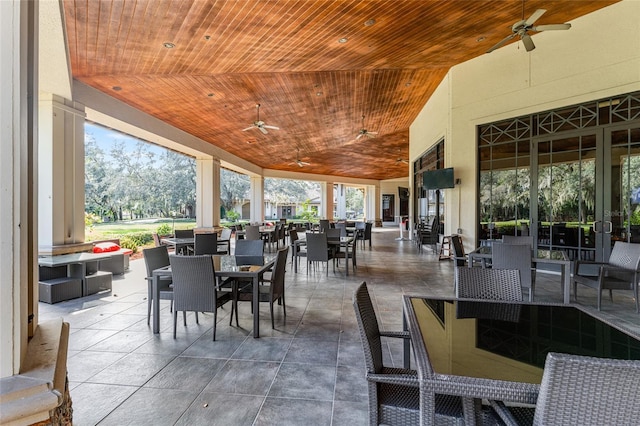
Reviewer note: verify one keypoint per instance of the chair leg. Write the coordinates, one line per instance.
(149, 301)
(175, 321)
(197, 318)
(272, 323)
(184, 317)
(215, 322)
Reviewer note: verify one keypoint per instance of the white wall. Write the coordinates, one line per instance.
(589, 61)
(390, 186)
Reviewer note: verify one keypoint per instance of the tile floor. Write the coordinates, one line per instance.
(308, 371)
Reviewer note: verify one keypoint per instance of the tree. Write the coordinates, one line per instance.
(233, 186)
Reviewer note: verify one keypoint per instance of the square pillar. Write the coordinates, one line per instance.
(207, 192)
(61, 171)
(257, 199)
(326, 200)
(341, 201)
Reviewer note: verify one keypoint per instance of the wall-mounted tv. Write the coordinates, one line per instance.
(438, 179)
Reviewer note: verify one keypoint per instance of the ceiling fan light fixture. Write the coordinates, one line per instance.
(168, 45)
(343, 40)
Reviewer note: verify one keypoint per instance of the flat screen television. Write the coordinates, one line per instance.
(438, 179)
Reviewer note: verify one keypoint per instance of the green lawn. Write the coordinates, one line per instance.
(110, 230)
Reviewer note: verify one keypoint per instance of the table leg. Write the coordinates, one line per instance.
(295, 257)
(566, 282)
(156, 303)
(406, 344)
(256, 306)
(346, 258)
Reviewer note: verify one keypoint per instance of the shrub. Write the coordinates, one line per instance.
(164, 229)
(233, 216)
(135, 240)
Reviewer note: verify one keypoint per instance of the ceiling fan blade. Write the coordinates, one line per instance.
(372, 133)
(533, 18)
(551, 27)
(248, 128)
(528, 43)
(263, 130)
(501, 43)
(359, 136)
(271, 127)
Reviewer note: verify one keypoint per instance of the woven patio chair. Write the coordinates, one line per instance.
(318, 250)
(195, 289)
(622, 272)
(271, 291)
(581, 390)
(515, 256)
(206, 244)
(489, 284)
(156, 258)
(394, 393)
(252, 232)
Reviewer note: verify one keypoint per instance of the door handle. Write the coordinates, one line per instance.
(610, 227)
(595, 228)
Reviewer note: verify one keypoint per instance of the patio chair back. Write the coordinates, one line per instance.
(490, 284)
(518, 256)
(583, 390)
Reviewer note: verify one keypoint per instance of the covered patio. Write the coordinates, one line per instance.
(309, 370)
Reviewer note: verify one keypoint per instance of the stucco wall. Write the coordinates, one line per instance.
(589, 61)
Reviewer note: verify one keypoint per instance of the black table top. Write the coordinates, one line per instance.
(510, 341)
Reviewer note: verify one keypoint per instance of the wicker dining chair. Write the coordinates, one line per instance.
(515, 256)
(394, 393)
(156, 258)
(582, 390)
(318, 250)
(195, 289)
(270, 290)
(490, 284)
(205, 244)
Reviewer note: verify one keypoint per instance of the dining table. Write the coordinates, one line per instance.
(225, 266)
(348, 243)
(497, 349)
(556, 259)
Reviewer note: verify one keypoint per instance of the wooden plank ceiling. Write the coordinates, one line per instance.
(229, 55)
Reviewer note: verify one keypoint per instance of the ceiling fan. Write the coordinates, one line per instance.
(260, 125)
(402, 160)
(299, 162)
(521, 28)
(365, 132)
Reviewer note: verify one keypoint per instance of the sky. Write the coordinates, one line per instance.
(106, 139)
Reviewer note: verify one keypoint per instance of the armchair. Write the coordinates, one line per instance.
(622, 272)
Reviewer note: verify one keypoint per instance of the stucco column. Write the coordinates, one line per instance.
(257, 199)
(341, 201)
(207, 192)
(18, 121)
(326, 200)
(372, 203)
(61, 171)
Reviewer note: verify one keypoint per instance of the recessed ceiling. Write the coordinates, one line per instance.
(203, 65)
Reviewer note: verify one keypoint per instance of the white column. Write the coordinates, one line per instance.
(341, 198)
(207, 192)
(370, 199)
(18, 232)
(257, 199)
(326, 200)
(61, 171)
